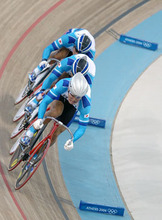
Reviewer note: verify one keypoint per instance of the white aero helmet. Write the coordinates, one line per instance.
(78, 85)
(83, 44)
(80, 65)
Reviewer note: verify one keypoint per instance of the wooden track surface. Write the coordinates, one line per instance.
(21, 51)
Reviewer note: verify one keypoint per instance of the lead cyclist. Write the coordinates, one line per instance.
(72, 95)
(75, 40)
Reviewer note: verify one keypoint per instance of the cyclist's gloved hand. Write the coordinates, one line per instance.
(32, 76)
(43, 64)
(40, 95)
(69, 145)
(38, 124)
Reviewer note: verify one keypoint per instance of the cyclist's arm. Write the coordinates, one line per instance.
(63, 41)
(79, 132)
(52, 95)
(63, 75)
(66, 40)
(47, 51)
(56, 73)
(83, 121)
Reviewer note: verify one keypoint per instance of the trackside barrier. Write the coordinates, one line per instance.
(133, 41)
(137, 42)
(93, 121)
(101, 208)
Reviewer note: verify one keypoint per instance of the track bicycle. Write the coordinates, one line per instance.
(34, 154)
(25, 122)
(31, 87)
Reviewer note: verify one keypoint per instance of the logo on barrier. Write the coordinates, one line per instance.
(112, 211)
(95, 122)
(147, 44)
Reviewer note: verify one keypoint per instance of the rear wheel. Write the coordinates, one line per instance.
(32, 164)
(17, 157)
(20, 127)
(24, 123)
(20, 113)
(23, 94)
(27, 91)
(16, 144)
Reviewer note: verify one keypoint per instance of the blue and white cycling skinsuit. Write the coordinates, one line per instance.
(83, 106)
(66, 65)
(69, 40)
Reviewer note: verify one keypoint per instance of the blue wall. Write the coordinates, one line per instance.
(87, 169)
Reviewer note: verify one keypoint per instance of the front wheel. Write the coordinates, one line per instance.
(32, 164)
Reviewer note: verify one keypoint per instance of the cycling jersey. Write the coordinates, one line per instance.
(83, 106)
(66, 65)
(69, 40)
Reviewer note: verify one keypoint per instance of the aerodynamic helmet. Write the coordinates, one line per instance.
(78, 85)
(83, 44)
(80, 65)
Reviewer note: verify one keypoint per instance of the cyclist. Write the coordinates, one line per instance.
(74, 41)
(71, 65)
(73, 94)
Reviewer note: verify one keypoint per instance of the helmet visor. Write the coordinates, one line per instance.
(84, 44)
(80, 65)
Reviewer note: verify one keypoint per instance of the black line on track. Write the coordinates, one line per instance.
(53, 190)
(119, 17)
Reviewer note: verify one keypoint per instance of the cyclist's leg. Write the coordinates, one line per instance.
(56, 109)
(63, 75)
(58, 131)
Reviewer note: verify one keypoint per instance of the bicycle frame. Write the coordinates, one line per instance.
(31, 160)
(49, 136)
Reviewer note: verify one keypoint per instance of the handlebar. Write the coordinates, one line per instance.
(52, 59)
(60, 123)
(48, 61)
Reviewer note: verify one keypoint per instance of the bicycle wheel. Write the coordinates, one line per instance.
(22, 95)
(32, 164)
(29, 88)
(17, 157)
(20, 113)
(24, 123)
(15, 145)
(19, 128)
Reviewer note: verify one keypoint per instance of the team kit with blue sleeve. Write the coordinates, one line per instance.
(83, 106)
(84, 45)
(66, 65)
(69, 40)
(80, 39)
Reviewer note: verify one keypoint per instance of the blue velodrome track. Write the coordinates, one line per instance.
(87, 169)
